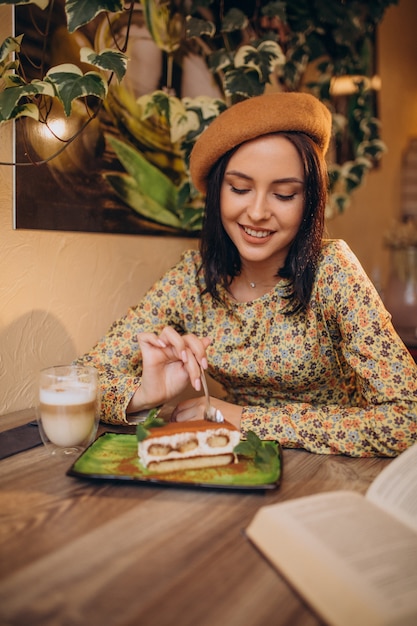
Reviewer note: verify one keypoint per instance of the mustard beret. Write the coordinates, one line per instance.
(259, 115)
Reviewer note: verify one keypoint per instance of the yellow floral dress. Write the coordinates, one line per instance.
(335, 379)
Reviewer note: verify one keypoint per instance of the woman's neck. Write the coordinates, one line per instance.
(246, 287)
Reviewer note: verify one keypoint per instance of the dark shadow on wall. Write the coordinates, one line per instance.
(33, 341)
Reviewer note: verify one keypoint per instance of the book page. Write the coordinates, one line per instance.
(354, 563)
(395, 488)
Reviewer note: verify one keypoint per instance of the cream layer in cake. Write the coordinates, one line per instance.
(189, 445)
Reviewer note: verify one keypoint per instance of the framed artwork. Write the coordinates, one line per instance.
(70, 192)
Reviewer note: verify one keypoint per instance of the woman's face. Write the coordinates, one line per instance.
(262, 199)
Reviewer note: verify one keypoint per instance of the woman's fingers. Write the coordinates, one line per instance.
(190, 349)
(185, 344)
(169, 355)
(191, 409)
(151, 339)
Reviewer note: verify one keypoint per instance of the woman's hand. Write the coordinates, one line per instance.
(193, 409)
(170, 361)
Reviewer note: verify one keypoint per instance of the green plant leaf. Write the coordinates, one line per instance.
(151, 421)
(219, 60)
(155, 102)
(70, 83)
(254, 440)
(10, 97)
(263, 59)
(245, 449)
(24, 110)
(165, 27)
(370, 126)
(127, 189)
(9, 76)
(191, 218)
(183, 117)
(373, 149)
(9, 45)
(141, 432)
(171, 109)
(145, 131)
(108, 59)
(262, 452)
(235, 19)
(183, 193)
(81, 12)
(206, 106)
(151, 182)
(238, 83)
(339, 202)
(265, 455)
(198, 28)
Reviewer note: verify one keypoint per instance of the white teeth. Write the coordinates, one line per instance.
(257, 233)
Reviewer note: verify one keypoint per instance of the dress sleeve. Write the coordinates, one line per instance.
(117, 356)
(381, 417)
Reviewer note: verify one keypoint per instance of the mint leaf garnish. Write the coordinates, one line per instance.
(245, 449)
(151, 421)
(261, 452)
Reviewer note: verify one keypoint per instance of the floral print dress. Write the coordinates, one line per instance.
(334, 379)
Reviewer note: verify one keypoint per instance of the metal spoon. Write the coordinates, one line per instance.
(211, 414)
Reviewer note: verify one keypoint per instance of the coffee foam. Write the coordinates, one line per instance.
(67, 395)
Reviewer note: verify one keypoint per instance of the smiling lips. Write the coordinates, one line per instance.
(259, 234)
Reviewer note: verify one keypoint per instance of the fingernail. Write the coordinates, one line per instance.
(197, 384)
(184, 356)
(204, 363)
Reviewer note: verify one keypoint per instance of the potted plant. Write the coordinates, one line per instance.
(247, 47)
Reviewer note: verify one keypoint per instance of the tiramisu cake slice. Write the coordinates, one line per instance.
(188, 445)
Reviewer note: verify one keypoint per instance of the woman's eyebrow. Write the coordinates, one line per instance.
(289, 179)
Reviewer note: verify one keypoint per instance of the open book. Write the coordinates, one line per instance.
(352, 557)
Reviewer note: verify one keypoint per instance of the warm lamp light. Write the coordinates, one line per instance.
(49, 138)
(348, 85)
(54, 129)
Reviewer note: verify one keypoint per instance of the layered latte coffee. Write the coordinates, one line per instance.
(68, 414)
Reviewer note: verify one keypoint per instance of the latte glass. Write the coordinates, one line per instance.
(69, 408)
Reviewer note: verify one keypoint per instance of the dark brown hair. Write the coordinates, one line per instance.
(220, 257)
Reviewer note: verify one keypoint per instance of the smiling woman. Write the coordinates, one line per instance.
(305, 356)
(297, 155)
(260, 212)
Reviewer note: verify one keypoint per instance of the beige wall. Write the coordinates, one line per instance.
(60, 291)
(377, 202)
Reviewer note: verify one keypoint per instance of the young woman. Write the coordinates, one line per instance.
(286, 321)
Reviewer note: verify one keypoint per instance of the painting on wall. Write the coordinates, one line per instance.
(72, 192)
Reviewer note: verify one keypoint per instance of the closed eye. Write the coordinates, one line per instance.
(285, 198)
(238, 191)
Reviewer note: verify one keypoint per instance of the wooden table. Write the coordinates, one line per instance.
(76, 552)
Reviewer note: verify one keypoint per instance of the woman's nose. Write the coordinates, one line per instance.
(258, 208)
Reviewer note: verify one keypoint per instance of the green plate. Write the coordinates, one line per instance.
(114, 456)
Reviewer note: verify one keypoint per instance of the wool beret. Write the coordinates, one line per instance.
(254, 117)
